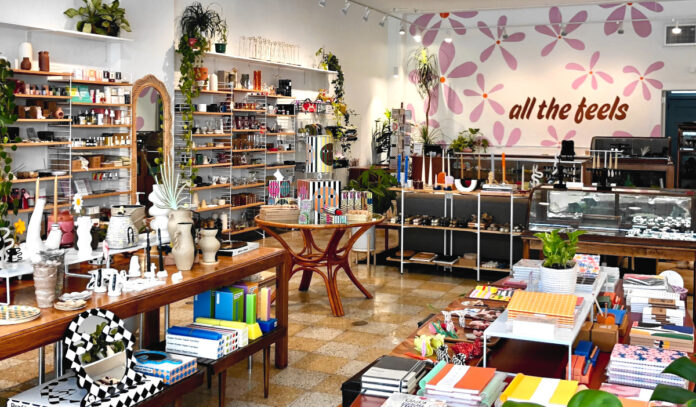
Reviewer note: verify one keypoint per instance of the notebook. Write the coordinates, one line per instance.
(540, 390)
(461, 379)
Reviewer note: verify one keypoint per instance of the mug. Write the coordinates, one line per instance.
(224, 180)
(221, 201)
(215, 179)
(202, 107)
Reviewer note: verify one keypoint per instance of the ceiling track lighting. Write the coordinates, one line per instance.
(322, 3)
(396, 71)
(345, 8)
(383, 21)
(448, 37)
(417, 38)
(620, 30)
(563, 30)
(366, 14)
(505, 34)
(402, 29)
(676, 30)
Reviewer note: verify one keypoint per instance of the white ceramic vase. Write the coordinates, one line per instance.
(84, 236)
(558, 281)
(161, 216)
(34, 244)
(209, 245)
(54, 237)
(183, 248)
(176, 217)
(25, 50)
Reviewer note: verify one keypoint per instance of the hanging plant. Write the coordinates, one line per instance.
(7, 117)
(100, 18)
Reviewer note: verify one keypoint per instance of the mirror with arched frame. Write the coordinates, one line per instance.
(152, 123)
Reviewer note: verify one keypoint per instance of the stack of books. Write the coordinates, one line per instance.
(461, 385)
(392, 374)
(525, 268)
(672, 314)
(643, 282)
(560, 307)
(585, 283)
(642, 366)
(410, 400)
(673, 337)
(587, 264)
(425, 257)
(540, 390)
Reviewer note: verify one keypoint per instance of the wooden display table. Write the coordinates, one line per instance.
(313, 259)
(51, 325)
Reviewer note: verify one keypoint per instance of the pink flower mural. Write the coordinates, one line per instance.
(643, 79)
(485, 97)
(655, 132)
(642, 26)
(422, 25)
(556, 139)
(499, 135)
(559, 31)
(499, 39)
(434, 124)
(589, 72)
(446, 57)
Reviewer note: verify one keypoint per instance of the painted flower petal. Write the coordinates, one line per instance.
(579, 81)
(594, 59)
(607, 78)
(656, 131)
(575, 66)
(555, 18)
(646, 91)
(514, 137)
(481, 81)
(471, 92)
(465, 14)
(547, 49)
(612, 24)
(655, 66)
(497, 107)
(609, 5)
(631, 69)
(641, 26)
(431, 34)
(576, 21)
(463, 70)
(628, 90)
(496, 88)
(476, 113)
(498, 132)
(418, 24)
(652, 6)
(594, 82)
(144, 92)
(458, 27)
(549, 143)
(569, 135)
(487, 53)
(654, 82)
(509, 58)
(434, 124)
(413, 111)
(502, 22)
(575, 43)
(514, 37)
(413, 76)
(552, 132)
(621, 133)
(446, 55)
(546, 30)
(452, 100)
(485, 30)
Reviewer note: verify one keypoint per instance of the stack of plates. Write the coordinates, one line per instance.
(77, 295)
(70, 305)
(17, 314)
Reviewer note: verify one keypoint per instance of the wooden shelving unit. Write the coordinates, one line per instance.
(32, 180)
(251, 205)
(105, 194)
(123, 167)
(211, 114)
(232, 232)
(214, 186)
(100, 104)
(101, 126)
(39, 73)
(281, 152)
(47, 97)
(88, 82)
(101, 147)
(40, 144)
(63, 121)
(213, 135)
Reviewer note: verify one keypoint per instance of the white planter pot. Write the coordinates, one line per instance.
(360, 244)
(558, 281)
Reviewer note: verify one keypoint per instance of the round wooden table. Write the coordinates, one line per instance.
(313, 259)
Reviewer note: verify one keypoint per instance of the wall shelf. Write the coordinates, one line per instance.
(100, 126)
(211, 114)
(269, 63)
(232, 232)
(88, 82)
(66, 121)
(214, 186)
(103, 169)
(100, 104)
(66, 33)
(30, 180)
(39, 73)
(41, 97)
(251, 205)
(41, 144)
(281, 152)
(212, 208)
(210, 135)
(245, 186)
(105, 194)
(101, 147)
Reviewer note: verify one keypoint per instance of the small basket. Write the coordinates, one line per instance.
(95, 161)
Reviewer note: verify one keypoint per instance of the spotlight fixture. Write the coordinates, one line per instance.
(344, 10)
(448, 38)
(402, 30)
(563, 30)
(322, 3)
(676, 30)
(621, 29)
(505, 34)
(383, 21)
(417, 38)
(396, 72)
(366, 14)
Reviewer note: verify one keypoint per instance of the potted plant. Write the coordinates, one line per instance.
(426, 77)
(100, 18)
(7, 117)
(221, 46)
(169, 194)
(381, 138)
(379, 182)
(201, 24)
(558, 272)
(469, 141)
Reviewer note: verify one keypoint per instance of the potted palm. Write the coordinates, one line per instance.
(169, 191)
(425, 76)
(558, 272)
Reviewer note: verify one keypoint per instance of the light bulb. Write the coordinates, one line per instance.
(402, 30)
(383, 21)
(322, 3)
(396, 72)
(448, 39)
(676, 30)
(417, 38)
(366, 15)
(344, 10)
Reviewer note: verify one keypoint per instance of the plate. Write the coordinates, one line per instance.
(71, 305)
(76, 295)
(17, 314)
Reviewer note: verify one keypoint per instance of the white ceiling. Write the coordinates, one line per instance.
(408, 6)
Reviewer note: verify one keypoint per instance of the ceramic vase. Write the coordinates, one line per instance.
(121, 233)
(176, 217)
(54, 237)
(84, 235)
(34, 243)
(161, 216)
(25, 50)
(45, 278)
(26, 64)
(558, 281)
(183, 248)
(5, 242)
(209, 245)
(44, 64)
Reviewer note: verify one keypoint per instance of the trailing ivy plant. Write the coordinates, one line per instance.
(7, 117)
(330, 61)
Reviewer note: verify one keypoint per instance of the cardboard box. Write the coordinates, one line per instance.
(229, 304)
(584, 334)
(605, 336)
(196, 347)
(169, 372)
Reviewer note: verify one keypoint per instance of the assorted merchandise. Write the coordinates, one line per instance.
(548, 392)
(641, 366)
(559, 307)
(391, 374)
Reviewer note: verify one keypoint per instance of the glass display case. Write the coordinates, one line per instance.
(621, 212)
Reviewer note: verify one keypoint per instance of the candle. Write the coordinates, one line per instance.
(449, 167)
(430, 171)
(36, 194)
(503, 164)
(423, 169)
(398, 169)
(105, 250)
(522, 181)
(250, 308)
(55, 199)
(616, 160)
(478, 176)
(264, 310)
(493, 164)
(147, 250)
(159, 249)
(406, 172)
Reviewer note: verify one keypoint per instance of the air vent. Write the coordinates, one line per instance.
(687, 36)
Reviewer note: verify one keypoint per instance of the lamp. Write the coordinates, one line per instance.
(396, 71)
(344, 10)
(366, 14)
(383, 21)
(676, 30)
(322, 3)
(417, 38)
(402, 30)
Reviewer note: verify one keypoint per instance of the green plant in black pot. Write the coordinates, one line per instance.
(221, 43)
(468, 141)
(426, 78)
(100, 18)
(7, 117)
(377, 181)
(201, 23)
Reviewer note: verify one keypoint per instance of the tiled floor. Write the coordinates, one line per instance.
(324, 350)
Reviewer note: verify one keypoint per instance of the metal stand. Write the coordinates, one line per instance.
(42, 365)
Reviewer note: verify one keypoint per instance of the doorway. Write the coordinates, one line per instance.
(679, 107)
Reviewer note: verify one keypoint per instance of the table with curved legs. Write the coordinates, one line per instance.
(327, 261)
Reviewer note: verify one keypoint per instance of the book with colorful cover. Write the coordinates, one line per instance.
(644, 356)
(540, 390)
(461, 379)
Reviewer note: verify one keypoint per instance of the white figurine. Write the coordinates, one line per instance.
(152, 273)
(176, 277)
(134, 268)
(161, 273)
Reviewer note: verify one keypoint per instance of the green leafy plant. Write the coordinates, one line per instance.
(222, 33)
(100, 347)
(198, 22)
(559, 253)
(377, 181)
(426, 77)
(330, 61)
(381, 137)
(100, 18)
(7, 117)
(471, 140)
(428, 136)
(686, 369)
(170, 190)
(584, 398)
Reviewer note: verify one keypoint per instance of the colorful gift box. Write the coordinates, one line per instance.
(321, 193)
(203, 305)
(170, 370)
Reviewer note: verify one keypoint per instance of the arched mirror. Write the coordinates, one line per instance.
(152, 131)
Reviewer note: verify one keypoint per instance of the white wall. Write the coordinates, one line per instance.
(548, 76)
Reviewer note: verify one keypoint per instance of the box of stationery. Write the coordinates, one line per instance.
(392, 374)
(231, 338)
(195, 342)
(673, 337)
(545, 391)
(241, 328)
(279, 213)
(536, 304)
(167, 366)
(411, 400)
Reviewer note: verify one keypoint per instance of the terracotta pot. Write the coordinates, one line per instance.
(44, 64)
(209, 245)
(176, 217)
(26, 64)
(201, 73)
(183, 248)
